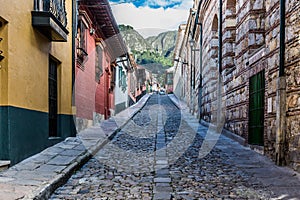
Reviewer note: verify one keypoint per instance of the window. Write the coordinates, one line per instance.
(122, 79)
(99, 64)
(82, 35)
(52, 84)
(214, 27)
(81, 43)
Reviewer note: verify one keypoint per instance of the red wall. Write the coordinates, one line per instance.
(85, 84)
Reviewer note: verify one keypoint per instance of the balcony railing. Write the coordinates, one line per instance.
(50, 18)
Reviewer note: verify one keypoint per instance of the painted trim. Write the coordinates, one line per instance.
(25, 132)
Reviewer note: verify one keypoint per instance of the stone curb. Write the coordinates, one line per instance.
(14, 187)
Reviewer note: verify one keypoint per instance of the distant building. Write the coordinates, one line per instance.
(169, 77)
(140, 73)
(35, 76)
(179, 64)
(123, 68)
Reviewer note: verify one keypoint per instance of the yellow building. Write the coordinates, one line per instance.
(35, 76)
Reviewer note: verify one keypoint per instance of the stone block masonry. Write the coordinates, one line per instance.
(251, 46)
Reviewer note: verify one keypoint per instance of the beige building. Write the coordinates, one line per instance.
(245, 54)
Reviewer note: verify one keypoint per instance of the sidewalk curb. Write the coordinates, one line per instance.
(45, 192)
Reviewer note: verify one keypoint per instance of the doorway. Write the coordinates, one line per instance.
(256, 109)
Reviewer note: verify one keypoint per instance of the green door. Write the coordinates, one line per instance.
(256, 109)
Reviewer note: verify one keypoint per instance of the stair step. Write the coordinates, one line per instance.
(4, 164)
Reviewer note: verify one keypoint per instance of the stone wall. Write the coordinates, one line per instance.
(251, 34)
(272, 23)
(209, 21)
(292, 57)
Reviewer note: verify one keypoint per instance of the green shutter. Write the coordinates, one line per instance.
(256, 109)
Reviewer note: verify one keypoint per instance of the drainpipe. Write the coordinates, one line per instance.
(191, 79)
(74, 29)
(220, 37)
(219, 125)
(200, 79)
(280, 148)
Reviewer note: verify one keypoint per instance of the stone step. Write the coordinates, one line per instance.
(4, 164)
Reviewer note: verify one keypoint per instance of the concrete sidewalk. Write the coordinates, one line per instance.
(283, 182)
(38, 176)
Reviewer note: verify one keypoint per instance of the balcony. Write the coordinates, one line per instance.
(50, 18)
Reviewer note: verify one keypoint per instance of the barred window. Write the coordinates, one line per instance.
(98, 63)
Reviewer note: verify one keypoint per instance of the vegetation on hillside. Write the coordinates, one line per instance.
(155, 53)
(149, 57)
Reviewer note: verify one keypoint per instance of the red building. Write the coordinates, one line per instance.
(98, 44)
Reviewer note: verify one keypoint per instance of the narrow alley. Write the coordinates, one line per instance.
(157, 155)
(158, 100)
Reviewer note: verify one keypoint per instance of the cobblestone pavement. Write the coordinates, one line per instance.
(157, 155)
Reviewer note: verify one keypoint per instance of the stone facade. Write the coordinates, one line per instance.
(250, 51)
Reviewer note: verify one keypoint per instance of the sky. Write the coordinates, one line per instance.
(153, 16)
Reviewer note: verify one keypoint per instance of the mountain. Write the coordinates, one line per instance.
(164, 43)
(155, 53)
(133, 39)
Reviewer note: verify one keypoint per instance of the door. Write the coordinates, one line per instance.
(256, 109)
(52, 98)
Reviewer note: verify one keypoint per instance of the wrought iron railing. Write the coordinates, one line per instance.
(56, 7)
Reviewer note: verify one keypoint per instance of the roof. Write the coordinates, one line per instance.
(105, 23)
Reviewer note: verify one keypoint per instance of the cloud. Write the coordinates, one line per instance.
(151, 21)
(163, 3)
(153, 3)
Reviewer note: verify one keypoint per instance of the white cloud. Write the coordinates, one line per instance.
(162, 3)
(149, 21)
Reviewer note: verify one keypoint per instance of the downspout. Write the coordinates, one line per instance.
(74, 29)
(220, 38)
(219, 124)
(280, 148)
(200, 78)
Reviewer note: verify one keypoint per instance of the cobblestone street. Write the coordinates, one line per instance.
(157, 155)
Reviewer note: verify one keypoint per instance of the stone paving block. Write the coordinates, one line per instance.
(9, 191)
(160, 145)
(51, 168)
(80, 147)
(158, 167)
(26, 166)
(162, 180)
(160, 137)
(161, 141)
(162, 196)
(161, 153)
(71, 152)
(162, 171)
(161, 162)
(61, 160)
(54, 150)
(167, 189)
(41, 158)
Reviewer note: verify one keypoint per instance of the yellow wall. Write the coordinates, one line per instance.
(3, 63)
(28, 57)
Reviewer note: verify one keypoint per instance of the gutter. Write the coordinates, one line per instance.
(220, 37)
(282, 38)
(280, 146)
